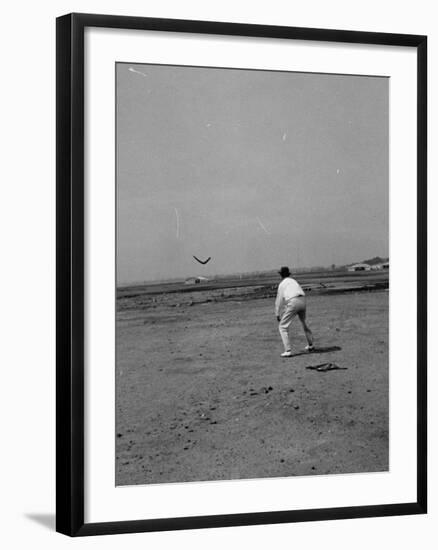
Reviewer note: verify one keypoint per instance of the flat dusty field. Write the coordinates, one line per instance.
(203, 394)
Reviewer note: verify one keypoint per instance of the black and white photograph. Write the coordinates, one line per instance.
(252, 274)
(216, 249)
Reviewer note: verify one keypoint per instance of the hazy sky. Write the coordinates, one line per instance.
(256, 169)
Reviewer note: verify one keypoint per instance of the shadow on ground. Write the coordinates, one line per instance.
(326, 349)
(46, 520)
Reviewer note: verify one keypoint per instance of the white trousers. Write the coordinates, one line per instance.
(295, 306)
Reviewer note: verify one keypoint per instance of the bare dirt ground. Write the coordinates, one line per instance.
(203, 394)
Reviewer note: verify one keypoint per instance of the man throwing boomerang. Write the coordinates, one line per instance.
(291, 301)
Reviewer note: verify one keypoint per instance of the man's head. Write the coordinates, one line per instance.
(284, 272)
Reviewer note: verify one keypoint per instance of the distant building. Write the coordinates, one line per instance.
(195, 280)
(359, 267)
(380, 267)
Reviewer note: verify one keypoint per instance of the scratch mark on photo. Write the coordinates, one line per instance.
(177, 223)
(136, 71)
(262, 226)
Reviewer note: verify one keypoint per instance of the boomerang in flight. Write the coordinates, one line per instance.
(202, 262)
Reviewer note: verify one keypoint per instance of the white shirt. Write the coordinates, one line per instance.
(287, 289)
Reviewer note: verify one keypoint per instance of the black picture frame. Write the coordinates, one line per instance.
(70, 273)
